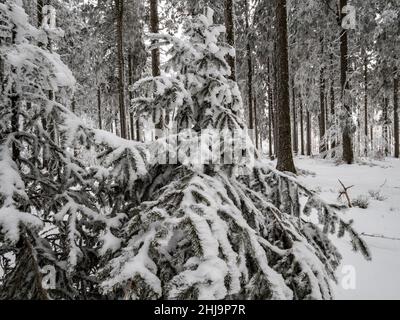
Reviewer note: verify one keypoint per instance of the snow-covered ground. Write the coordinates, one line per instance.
(379, 278)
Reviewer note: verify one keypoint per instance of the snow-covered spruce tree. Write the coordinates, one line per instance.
(48, 216)
(210, 231)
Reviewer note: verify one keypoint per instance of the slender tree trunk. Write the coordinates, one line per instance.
(309, 140)
(365, 105)
(301, 125)
(294, 113)
(14, 98)
(130, 81)
(138, 137)
(256, 124)
(99, 107)
(270, 110)
(249, 74)
(154, 28)
(2, 82)
(230, 34)
(73, 104)
(275, 105)
(284, 154)
(119, 8)
(333, 119)
(39, 12)
(270, 152)
(371, 129)
(348, 153)
(385, 125)
(322, 115)
(155, 58)
(396, 114)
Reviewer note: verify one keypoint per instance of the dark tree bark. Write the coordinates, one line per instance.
(256, 124)
(119, 10)
(348, 153)
(154, 28)
(322, 115)
(39, 12)
(130, 82)
(301, 125)
(230, 34)
(249, 73)
(275, 104)
(333, 117)
(309, 142)
(99, 107)
(371, 129)
(155, 56)
(396, 114)
(284, 150)
(270, 110)
(294, 114)
(365, 105)
(385, 124)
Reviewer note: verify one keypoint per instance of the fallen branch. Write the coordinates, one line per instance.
(378, 236)
(345, 193)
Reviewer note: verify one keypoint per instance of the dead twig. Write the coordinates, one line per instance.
(345, 193)
(378, 236)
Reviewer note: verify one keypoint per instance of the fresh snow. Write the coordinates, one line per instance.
(379, 278)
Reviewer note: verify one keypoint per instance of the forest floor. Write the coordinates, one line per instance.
(380, 277)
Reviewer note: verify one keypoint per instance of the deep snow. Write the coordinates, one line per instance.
(379, 278)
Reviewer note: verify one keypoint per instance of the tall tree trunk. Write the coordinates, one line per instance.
(256, 124)
(130, 81)
(270, 110)
(154, 28)
(249, 74)
(99, 107)
(385, 125)
(284, 154)
(119, 8)
(348, 153)
(301, 125)
(14, 99)
(333, 118)
(230, 34)
(275, 104)
(294, 113)
(365, 105)
(309, 140)
(270, 142)
(73, 104)
(371, 129)
(396, 113)
(155, 58)
(39, 12)
(322, 114)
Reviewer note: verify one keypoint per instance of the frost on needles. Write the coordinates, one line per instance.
(118, 224)
(210, 232)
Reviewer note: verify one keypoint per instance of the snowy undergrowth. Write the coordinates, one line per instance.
(124, 226)
(380, 182)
